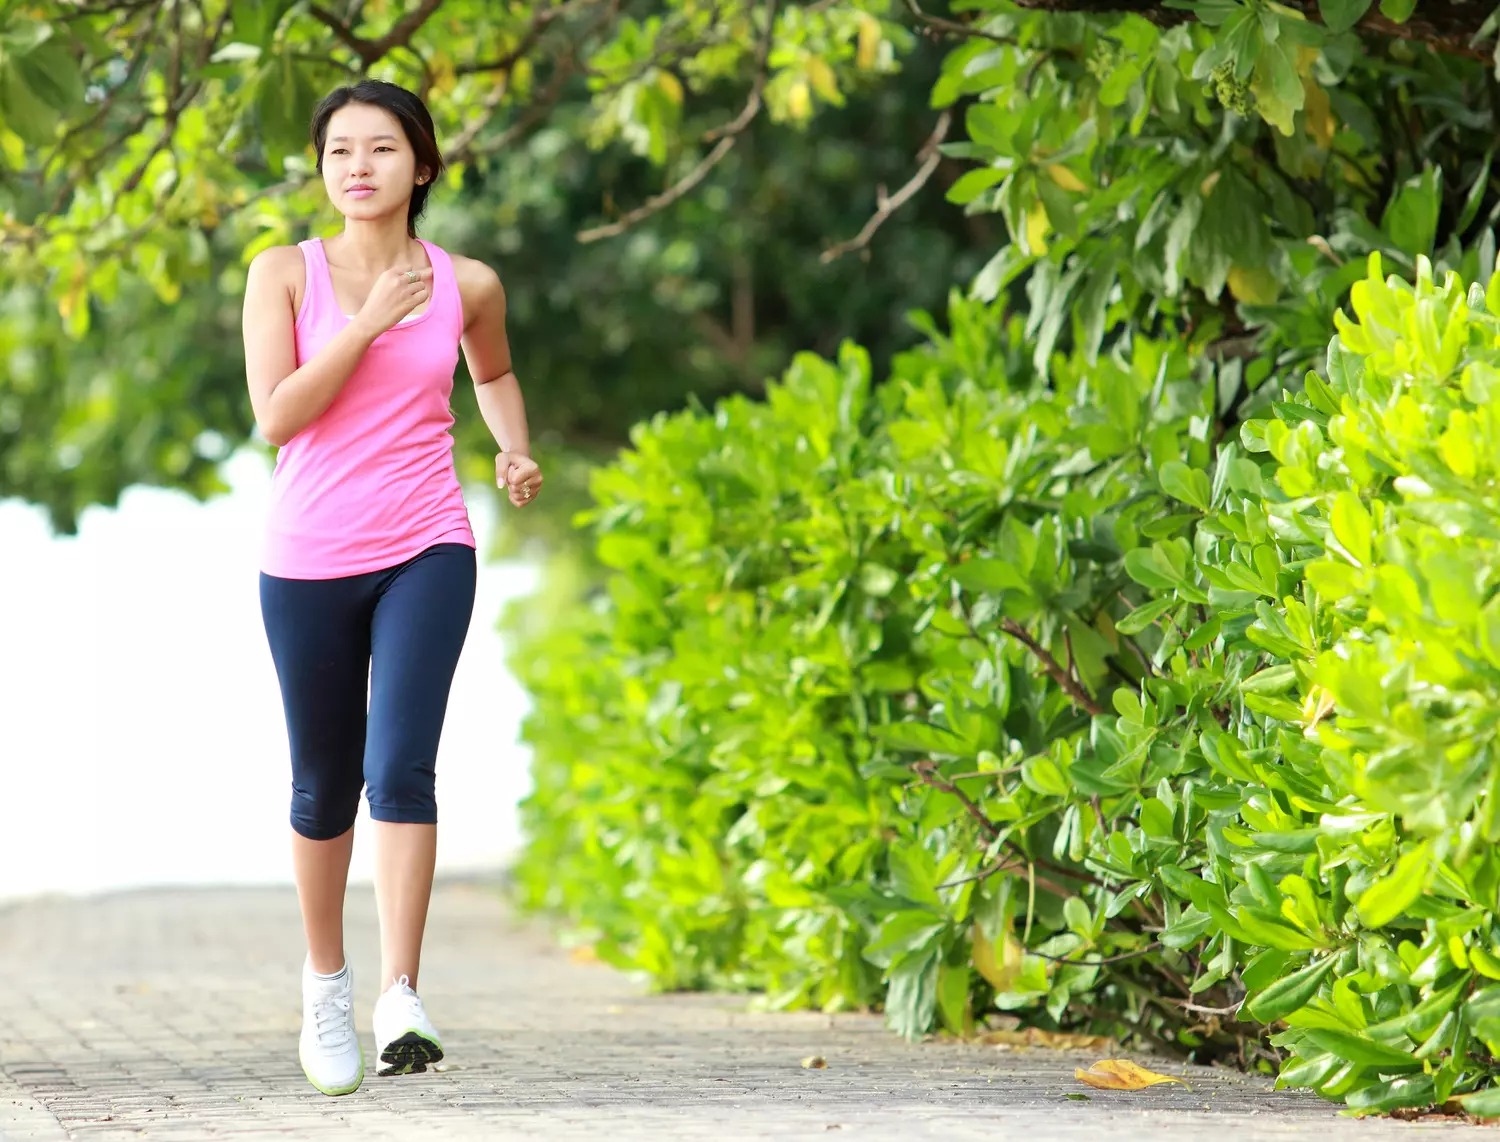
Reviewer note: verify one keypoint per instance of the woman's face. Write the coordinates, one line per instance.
(369, 168)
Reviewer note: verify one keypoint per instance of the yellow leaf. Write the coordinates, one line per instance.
(1253, 287)
(1317, 113)
(12, 149)
(670, 86)
(823, 81)
(1047, 1040)
(869, 41)
(1036, 229)
(1000, 972)
(799, 100)
(1065, 178)
(1121, 1074)
(815, 1063)
(1484, 962)
(443, 70)
(1317, 705)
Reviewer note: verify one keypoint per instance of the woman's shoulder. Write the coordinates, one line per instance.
(279, 262)
(472, 273)
(479, 287)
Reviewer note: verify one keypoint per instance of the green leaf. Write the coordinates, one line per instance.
(1143, 616)
(987, 575)
(913, 875)
(1398, 11)
(21, 110)
(1190, 485)
(1272, 680)
(953, 996)
(1411, 218)
(1395, 1094)
(1482, 1103)
(1289, 993)
(922, 737)
(52, 74)
(1152, 567)
(902, 933)
(912, 999)
(877, 580)
(1393, 894)
(1362, 1051)
(1341, 15)
(971, 184)
(1352, 527)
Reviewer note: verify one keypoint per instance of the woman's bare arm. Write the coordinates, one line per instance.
(487, 350)
(286, 399)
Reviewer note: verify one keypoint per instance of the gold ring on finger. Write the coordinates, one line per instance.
(411, 276)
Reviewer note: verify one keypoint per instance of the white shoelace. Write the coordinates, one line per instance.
(410, 1002)
(331, 1021)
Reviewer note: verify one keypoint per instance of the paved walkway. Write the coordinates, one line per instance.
(174, 1015)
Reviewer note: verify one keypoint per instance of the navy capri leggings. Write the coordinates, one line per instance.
(365, 664)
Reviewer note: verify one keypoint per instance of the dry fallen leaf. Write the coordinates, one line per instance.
(814, 1063)
(1051, 1040)
(1122, 1074)
(584, 954)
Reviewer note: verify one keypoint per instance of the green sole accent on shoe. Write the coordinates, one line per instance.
(335, 1092)
(409, 1054)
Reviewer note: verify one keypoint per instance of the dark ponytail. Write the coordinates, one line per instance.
(414, 118)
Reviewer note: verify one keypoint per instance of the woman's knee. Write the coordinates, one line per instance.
(403, 789)
(324, 810)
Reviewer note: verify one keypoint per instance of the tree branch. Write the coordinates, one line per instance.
(937, 24)
(1081, 697)
(927, 770)
(1447, 26)
(540, 22)
(931, 155)
(372, 51)
(1004, 864)
(727, 134)
(467, 145)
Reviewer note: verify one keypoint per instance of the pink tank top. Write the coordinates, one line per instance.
(371, 482)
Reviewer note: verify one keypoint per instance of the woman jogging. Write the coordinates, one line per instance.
(368, 571)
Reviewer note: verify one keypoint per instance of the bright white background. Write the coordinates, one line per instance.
(141, 735)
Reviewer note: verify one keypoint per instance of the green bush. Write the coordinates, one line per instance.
(968, 693)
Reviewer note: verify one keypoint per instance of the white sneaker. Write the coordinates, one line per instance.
(405, 1039)
(329, 1047)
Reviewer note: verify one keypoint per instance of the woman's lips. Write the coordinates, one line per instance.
(360, 191)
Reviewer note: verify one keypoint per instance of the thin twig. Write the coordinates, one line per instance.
(1081, 697)
(727, 135)
(931, 155)
(1198, 1009)
(1147, 950)
(954, 28)
(540, 21)
(1005, 864)
(373, 51)
(927, 770)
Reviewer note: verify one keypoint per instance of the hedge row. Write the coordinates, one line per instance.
(965, 693)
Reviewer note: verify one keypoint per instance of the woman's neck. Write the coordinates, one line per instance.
(373, 247)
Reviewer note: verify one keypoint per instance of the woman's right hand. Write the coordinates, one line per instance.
(392, 297)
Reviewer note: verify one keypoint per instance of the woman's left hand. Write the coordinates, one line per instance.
(519, 475)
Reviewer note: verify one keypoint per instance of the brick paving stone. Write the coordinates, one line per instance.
(173, 1015)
